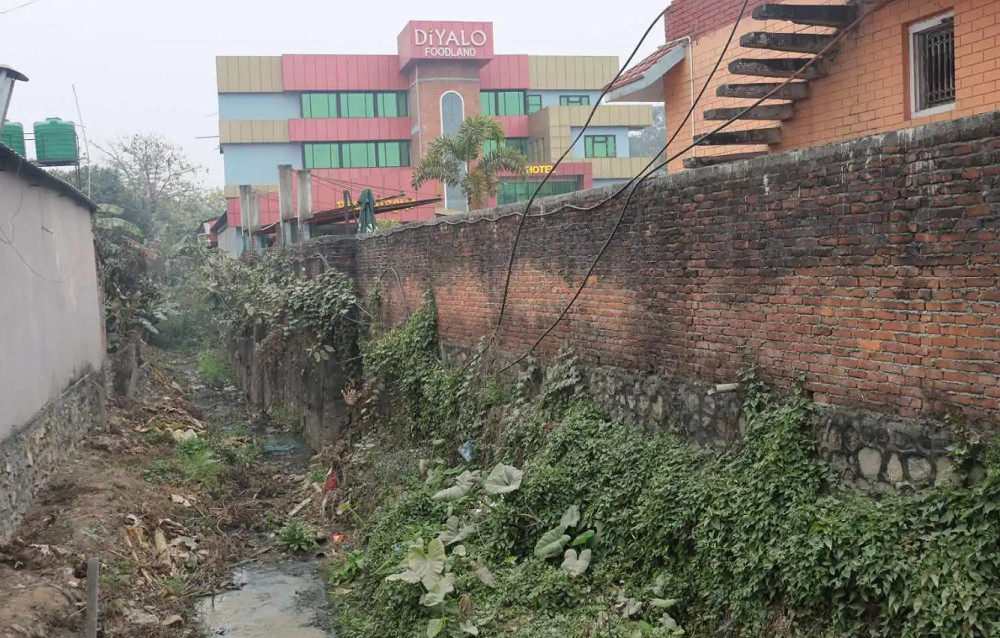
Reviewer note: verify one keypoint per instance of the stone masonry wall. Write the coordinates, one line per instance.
(30, 454)
(869, 270)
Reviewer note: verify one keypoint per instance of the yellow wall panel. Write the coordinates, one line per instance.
(551, 72)
(249, 74)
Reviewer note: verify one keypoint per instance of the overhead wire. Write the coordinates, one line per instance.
(534, 195)
(641, 179)
(20, 6)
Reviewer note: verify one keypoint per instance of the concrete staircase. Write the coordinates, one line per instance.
(833, 18)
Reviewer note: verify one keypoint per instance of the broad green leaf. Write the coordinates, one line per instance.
(434, 627)
(663, 603)
(485, 575)
(407, 577)
(576, 565)
(551, 543)
(463, 485)
(460, 551)
(583, 538)
(437, 592)
(571, 517)
(503, 479)
(668, 622)
(631, 608)
(469, 628)
(455, 532)
(429, 563)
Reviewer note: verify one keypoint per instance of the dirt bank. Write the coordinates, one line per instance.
(175, 495)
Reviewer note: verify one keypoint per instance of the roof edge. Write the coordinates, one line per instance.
(27, 169)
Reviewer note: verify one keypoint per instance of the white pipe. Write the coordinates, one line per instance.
(723, 387)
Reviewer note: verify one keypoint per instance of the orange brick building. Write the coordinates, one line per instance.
(899, 63)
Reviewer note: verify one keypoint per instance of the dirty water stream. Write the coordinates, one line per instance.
(286, 598)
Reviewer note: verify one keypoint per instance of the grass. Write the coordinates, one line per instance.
(214, 369)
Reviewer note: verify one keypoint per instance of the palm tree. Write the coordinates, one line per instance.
(455, 159)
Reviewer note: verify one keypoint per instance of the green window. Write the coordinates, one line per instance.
(502, 102)
(599, 146)
(392, 104)
(520, 143)
(322, 155)
(357, 154)
(534, 103)
(393, 153)
(511, 192)
(357, 104)
(574, 100)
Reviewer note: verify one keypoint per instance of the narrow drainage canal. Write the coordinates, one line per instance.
(285, 599)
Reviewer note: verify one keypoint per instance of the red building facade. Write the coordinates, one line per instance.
(363, 121)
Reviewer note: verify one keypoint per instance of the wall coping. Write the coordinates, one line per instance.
(944, 132)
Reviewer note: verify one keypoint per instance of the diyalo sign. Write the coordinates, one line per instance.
(450, 43)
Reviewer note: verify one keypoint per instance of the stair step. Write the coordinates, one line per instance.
(769, 112)
(814, 15)
(715, 160)
(777, 68)
(741, 138)
(755, 91)
(794, 42)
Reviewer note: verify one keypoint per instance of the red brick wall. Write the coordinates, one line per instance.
(871, 268)
(693, 18)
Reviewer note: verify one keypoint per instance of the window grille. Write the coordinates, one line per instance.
(932, 46)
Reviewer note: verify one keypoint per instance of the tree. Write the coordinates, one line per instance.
(155, 175)
(650, 140)
(455, 159)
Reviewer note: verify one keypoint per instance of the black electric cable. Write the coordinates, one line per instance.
(534, 195)
(698, 142)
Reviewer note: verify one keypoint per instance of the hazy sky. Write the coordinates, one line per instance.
(150, 66)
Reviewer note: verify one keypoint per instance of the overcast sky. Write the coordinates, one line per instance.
(150, 66)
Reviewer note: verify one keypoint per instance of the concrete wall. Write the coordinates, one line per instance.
(258, 163)
(49, 310)
(52, 382)
(231, 241)
(259, 106)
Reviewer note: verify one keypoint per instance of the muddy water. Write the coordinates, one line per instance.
(285, 600)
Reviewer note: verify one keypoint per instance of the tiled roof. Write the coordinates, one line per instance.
(635, 73)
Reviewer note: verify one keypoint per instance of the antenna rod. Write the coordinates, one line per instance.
(86, 144)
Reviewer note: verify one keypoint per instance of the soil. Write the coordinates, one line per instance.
(164, 543)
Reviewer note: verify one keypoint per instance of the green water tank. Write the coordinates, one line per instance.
(13, 137)
(55, 142)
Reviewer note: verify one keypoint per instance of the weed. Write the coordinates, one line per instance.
(318, 475)
(214, 369)
(297, 537)
(173, 587)
(758, 541)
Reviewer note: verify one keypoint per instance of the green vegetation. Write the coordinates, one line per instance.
(571, 524)
(297, 537)
(271, 296)
(459, 160)
(214, 369)
(207, 463)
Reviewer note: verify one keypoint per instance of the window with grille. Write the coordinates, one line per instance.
(932, 65)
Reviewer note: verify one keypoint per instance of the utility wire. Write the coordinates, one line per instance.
(20, 6)
(534, 195)
(833, 43)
